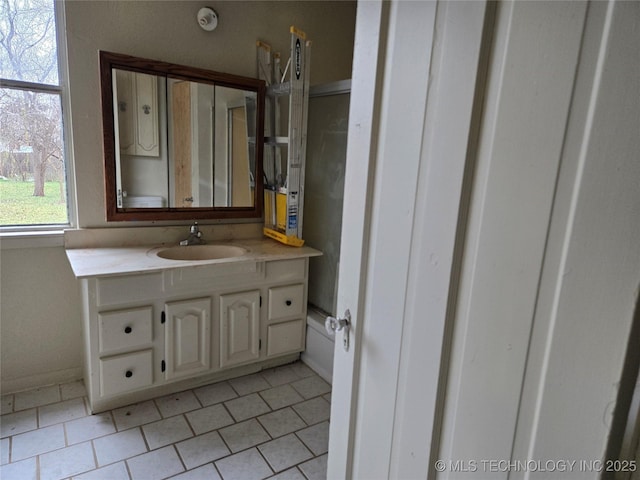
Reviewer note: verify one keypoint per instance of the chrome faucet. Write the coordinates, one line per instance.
(195, 236)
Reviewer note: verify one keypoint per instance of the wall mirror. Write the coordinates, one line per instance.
(180, 142)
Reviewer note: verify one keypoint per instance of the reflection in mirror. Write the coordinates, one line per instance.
(180, 143)
(211, 159)
(140, 140)
(235, 157)
(191, 130)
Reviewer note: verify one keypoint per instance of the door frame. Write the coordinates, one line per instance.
(413, 98)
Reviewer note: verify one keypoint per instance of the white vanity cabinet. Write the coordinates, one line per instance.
(151, 334)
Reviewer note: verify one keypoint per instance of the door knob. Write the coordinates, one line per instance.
(333, 325)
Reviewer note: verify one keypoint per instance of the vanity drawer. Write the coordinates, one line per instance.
(285, 337)
(286, 301)
(126, 372)
(125, 329)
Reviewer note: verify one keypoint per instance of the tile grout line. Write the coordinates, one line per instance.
(144, 438)
(273, 470)
(186, 419)
(184, 465)
(127, 467)
(95, 454)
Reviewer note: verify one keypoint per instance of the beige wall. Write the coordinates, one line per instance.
(40, 335)
(168, 31)
(40, 306)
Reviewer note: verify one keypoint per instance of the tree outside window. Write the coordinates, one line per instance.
(32, 165)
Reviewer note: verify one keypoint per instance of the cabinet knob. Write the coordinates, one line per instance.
(128, 330)
(288, 302)
(128, 374)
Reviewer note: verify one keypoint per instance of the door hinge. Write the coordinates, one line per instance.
(163, 366)
(163, 317)
(260, 300)
(260, 344)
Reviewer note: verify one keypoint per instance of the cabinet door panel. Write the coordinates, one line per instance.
(239, 328)
(187, 337)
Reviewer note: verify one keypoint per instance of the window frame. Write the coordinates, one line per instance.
(47, 235)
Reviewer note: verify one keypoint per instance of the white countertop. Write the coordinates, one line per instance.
(105, 261)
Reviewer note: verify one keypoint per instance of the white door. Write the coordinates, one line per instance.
(412, 97)
(548, 282)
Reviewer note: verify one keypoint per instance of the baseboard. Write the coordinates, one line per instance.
(13, 385)
(316, 367)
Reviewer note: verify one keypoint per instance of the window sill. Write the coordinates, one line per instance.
(32, 239)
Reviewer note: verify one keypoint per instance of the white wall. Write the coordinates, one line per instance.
(40, 309)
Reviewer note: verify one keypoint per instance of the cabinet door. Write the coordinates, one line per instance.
(187, 337)
(239, 328)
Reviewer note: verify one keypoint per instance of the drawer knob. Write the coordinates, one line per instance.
(128, 330)
(128, 374)
(288, 302)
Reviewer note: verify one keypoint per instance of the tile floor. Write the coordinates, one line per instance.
(273, 424)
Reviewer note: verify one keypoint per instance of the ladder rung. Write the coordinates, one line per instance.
(276, 140)
(279, 89)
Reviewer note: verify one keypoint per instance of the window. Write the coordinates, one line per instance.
(33, 177)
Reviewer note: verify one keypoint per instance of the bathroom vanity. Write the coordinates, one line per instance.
(164, 318)
(154, 326)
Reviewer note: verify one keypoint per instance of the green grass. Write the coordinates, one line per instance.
(18, 206)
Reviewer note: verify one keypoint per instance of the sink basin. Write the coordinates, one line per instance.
(202, 252)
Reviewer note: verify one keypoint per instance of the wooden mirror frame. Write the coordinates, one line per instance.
(109, 61)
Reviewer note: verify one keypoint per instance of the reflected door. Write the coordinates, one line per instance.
(181, 135)
(241, 194)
